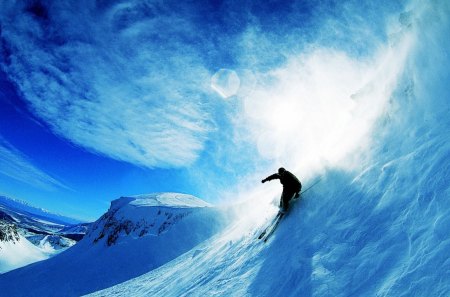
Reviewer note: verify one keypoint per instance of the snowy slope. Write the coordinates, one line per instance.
(16, 250)
(20, 253)
(379, 230)
(51, 242)
(39, 232)
(136, 235)
(382, 232)
(349, 236)
(75, 232)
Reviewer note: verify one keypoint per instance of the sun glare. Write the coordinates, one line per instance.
(321, 107)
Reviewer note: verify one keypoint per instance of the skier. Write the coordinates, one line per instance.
(291, 186)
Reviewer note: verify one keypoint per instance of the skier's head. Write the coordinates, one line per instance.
(281, 170)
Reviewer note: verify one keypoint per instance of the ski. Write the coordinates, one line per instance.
(274, 226)
(270, 225)
(263, 233)
(269, 230)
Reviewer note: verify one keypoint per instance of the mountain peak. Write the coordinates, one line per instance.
(133, 217)
(137, 234)
(171, 200)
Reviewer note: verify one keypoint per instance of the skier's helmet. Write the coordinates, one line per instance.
(281, 170)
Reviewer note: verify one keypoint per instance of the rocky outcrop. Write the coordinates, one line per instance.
(158, 221)
(8, 232)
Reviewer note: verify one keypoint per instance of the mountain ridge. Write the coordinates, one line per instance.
(134, 236)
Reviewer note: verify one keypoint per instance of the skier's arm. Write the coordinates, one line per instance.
(273, 176)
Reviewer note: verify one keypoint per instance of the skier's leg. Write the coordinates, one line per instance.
(281, 201)
(286, 196)
(298, 191)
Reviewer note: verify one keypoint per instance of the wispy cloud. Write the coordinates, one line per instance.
(131, 80)
(124, 80)
(16, 165)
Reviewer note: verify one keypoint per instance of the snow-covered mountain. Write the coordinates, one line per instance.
(136, 235)
(32, 220)
(55, 242)
(38, 234)
(16, 250)
(143, 215)
(373, 234)
(24, 209)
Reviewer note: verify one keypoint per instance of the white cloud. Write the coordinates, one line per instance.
(124, 81)
(16, 165)
(128, 81)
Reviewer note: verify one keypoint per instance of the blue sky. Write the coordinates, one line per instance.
(109, 98)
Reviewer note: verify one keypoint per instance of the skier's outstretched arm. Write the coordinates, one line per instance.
(269, 178)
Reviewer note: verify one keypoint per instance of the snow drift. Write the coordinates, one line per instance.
(136, 235)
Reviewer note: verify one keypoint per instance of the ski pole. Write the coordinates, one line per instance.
(312, 185)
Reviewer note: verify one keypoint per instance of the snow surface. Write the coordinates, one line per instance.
(14, 254)
(349, 236)
(136, 235)
(172, 200)
(75, 229)
(381, 230)
(51, 243)
(39, 234)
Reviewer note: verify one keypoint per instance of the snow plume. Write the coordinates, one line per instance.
(314, 93)
(123, 80)
(319, 108)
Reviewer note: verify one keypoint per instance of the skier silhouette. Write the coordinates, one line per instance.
(291, 186)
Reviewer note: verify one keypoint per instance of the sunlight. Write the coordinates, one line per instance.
(320, 108)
